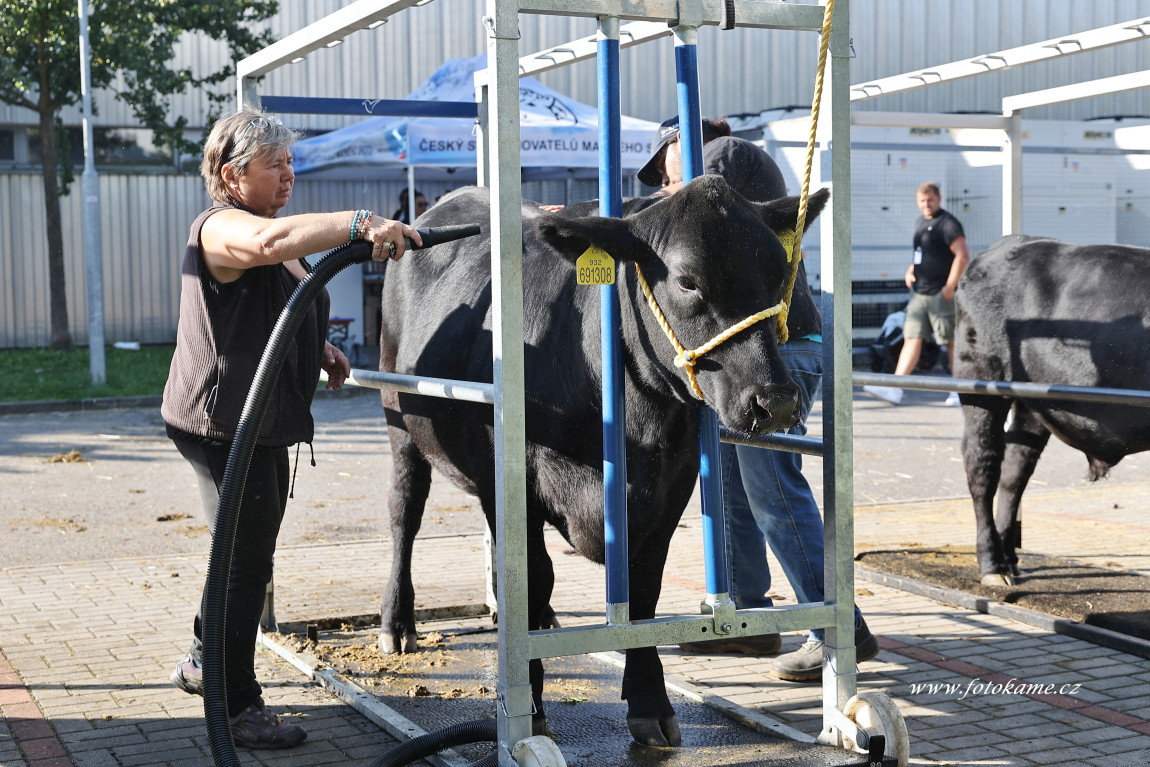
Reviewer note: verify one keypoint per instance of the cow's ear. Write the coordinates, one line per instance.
(780, 215)
(573, 236)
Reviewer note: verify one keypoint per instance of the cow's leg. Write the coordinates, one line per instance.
(650, 716)
(1025, 440)
(410, 484)
(983, 444)
(540, 584)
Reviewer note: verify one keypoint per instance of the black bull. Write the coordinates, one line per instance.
(712, 259)
(1039, 310)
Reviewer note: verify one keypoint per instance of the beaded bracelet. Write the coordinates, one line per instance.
(365, 224)
(360, 224)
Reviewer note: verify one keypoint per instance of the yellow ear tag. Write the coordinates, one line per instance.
(595, 267)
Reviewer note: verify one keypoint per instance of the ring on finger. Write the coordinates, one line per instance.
(391, 250)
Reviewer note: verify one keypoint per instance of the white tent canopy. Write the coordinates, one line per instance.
(557, 133)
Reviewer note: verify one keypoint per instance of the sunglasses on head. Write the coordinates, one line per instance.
(259, 123)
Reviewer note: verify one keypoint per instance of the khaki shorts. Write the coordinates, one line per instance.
(927, 313)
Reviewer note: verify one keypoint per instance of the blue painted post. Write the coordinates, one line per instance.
(614, 415)
(710, 475)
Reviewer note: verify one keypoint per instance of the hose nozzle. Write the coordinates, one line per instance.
(440, 234)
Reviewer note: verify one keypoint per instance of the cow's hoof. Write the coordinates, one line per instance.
(549, 620)
(997, 579)
(390, 644)
(661, 733)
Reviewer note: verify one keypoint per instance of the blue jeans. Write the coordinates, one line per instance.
(767, 500)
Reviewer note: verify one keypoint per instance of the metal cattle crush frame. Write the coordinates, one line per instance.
(499, 168)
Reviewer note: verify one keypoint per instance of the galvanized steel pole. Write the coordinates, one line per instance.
(514, 687)
(90, 188)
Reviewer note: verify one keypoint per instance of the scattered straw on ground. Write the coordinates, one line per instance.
(72, 456)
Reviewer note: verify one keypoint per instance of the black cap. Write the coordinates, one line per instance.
(650, 174)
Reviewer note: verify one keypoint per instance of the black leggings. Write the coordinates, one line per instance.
(258, 524)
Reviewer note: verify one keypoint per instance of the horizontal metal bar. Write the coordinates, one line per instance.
(388, 107)
(788, 443)
(1101, 87)
(1007, 389)
(583, 49)
(672, 630)
(1093, 39)
(431, 387)
(485, 393)
(927, 120)
(761, 14)
(328, 31)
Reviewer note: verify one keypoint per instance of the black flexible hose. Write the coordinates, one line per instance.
(448, 737)
(214, 604)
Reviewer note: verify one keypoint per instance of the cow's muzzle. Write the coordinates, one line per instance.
(771, 409)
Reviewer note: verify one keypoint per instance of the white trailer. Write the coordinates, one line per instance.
(1082, 182)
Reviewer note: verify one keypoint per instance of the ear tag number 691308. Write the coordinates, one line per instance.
(595, 267)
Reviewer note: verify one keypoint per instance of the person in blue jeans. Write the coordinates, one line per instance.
(766, 499)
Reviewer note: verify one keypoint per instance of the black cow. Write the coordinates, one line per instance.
(1039, 310)
(712, 259)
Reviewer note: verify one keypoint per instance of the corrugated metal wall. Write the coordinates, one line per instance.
(743, 71)
(144, 222)
(145, 217)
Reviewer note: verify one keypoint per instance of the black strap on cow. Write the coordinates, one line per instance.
(727, 17)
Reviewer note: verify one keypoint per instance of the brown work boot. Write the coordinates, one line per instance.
(764, 644)
(806, 663)
(256, 727)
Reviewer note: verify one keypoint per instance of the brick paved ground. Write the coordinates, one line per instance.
(86, 646)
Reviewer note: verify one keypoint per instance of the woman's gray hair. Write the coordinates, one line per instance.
(247, 135)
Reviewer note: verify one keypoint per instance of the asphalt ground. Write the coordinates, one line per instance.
(131, 494)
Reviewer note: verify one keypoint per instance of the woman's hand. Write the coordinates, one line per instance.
(337, 366)
(386, 237)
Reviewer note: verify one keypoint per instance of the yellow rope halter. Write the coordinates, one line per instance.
(685, 358)
(790, 239)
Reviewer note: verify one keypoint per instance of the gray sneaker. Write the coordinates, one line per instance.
(806, 663)
(256, 727)
(764, 644)
(188, 676)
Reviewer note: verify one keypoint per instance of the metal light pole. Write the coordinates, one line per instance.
(90, 188)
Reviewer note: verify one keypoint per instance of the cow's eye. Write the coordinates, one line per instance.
(687, 285)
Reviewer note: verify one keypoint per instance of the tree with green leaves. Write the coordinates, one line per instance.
(133, 39)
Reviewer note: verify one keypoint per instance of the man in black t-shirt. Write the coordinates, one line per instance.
(940, 258)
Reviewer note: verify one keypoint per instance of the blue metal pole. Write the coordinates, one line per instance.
(710, 475)
(614, 415)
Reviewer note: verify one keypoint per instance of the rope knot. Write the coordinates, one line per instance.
(685, 359)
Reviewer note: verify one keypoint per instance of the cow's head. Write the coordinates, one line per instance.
(712, 259)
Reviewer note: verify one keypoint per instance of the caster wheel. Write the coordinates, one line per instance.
(538, 751)
(877, 714)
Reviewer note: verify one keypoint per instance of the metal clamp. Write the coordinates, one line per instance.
(690, 14)
(490, 24)
(727, 15)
